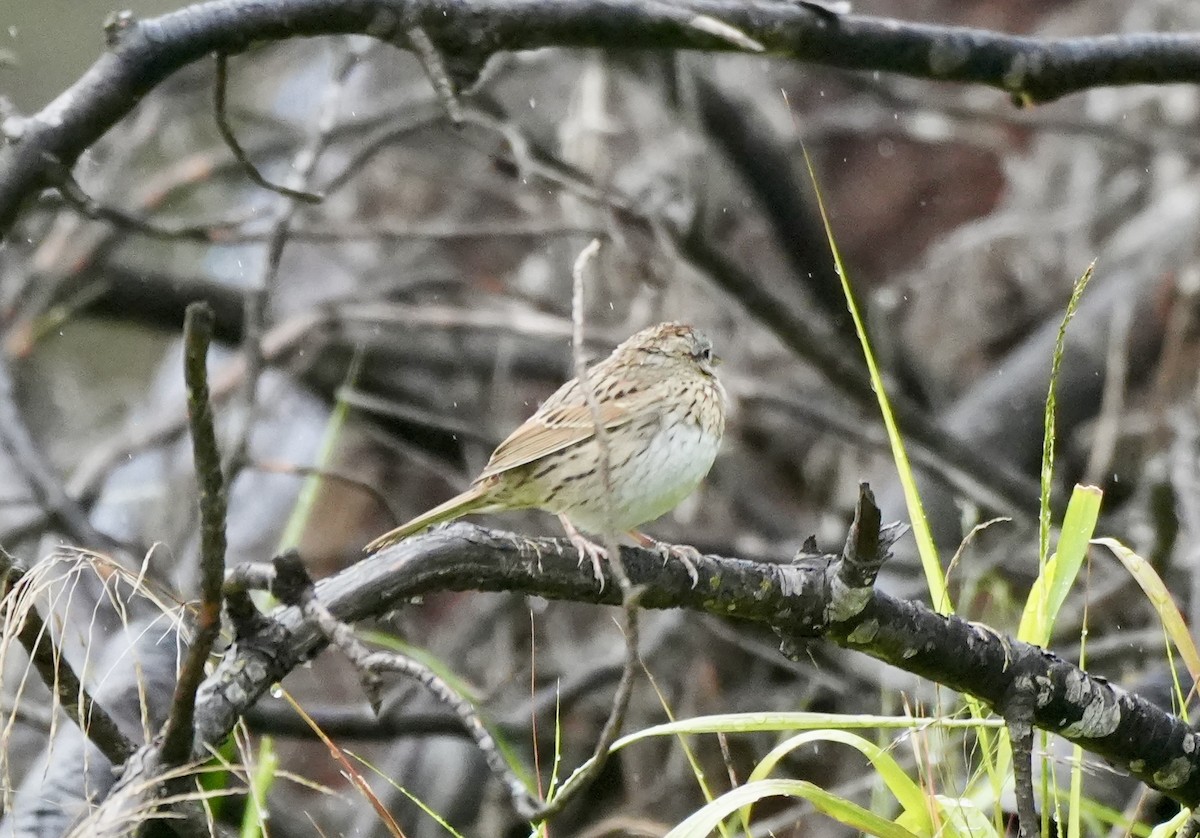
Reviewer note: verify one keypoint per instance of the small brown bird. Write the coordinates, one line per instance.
(663, 411)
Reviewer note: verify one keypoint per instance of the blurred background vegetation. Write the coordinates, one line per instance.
(441, 256)
(48, 45)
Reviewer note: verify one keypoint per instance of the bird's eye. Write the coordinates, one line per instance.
(706, 354)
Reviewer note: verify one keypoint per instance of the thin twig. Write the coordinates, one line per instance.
(231, 140)
(18, 442)
(239, 582)
(629, 595)
(582, 263)
(331, 476)
(197, 334)
(203, 232)
(1020, 734)
(396, 127)
(238, 230)
(435, 67)
(258, 301)
(294, 587)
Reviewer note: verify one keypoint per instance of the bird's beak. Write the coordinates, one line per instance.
(717, 360)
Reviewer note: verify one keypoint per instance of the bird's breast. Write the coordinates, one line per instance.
(654, 464)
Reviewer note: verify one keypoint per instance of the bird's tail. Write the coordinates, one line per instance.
(469, 501)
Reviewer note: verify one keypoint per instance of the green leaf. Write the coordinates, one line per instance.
(1058, 574)
(908, 794)
(703, 822)
(931, 563)
(254, 817)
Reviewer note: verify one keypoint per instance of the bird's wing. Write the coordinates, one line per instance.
(563, 420)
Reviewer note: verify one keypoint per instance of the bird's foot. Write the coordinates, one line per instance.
(683, 552)
(529, 544)
(587, 549)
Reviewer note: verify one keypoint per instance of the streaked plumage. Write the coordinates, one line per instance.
(663, 410)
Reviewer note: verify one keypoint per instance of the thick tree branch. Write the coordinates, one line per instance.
(796, 598)
(466, 34)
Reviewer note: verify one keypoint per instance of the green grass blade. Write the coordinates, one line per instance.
(703, 822)
(1075, 806)
(962, 819)
(908, 794)
(311, 488)
(1170, 828)
(935, 578)
(255, 816)
(1048, 429)
(1160, 598)
(1059, 572)
(776, 722)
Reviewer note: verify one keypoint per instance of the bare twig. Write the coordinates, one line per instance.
(46, 487)
(435, 67)
(240, 229)
(239, 582)
(400, 125)
(294, 587)
(865, 550)
(582, 262)
(258, 300)
(38, 718)
(1019, 721)
(583, 778)
(351, 722)
(329, 475)
(204, 232)
(731, 35)
(231, 140)
(178, 732)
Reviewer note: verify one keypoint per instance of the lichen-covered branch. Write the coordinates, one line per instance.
(1157, 747)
